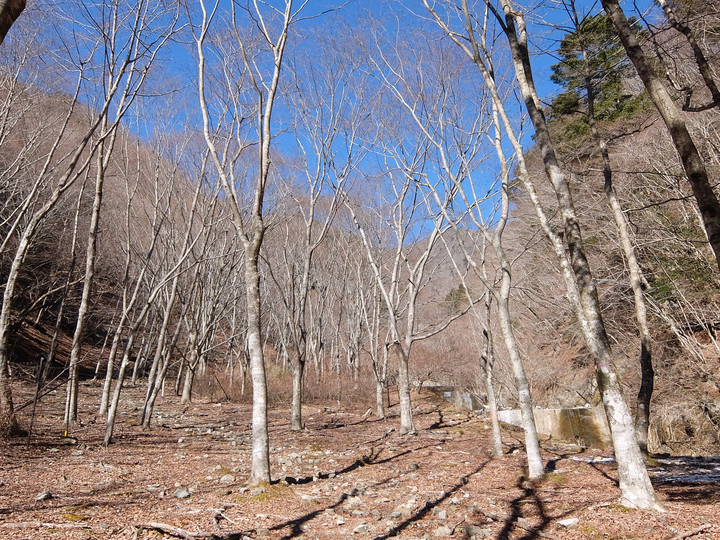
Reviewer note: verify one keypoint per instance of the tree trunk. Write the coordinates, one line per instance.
(642, 416)
(297, 395)
(107, 385)
(114, 404)
(532, 446)
(10, 10)
(693, 163)
(9, 425)
(186, 396)
(488, 365)
(636, 489)
(260, 468)
(406, 417)
(158, 379)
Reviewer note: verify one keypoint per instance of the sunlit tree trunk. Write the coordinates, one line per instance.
(642, 416)
(249, 222)
(636, 489)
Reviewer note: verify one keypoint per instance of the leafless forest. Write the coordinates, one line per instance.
(295, 205)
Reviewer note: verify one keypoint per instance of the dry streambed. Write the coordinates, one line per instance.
(347, 475)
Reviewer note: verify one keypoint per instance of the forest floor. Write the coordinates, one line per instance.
(346, 475)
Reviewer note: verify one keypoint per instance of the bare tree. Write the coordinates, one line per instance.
(635, 486)
(157, 36)
(491, 226)
(325, 134)
(129, 67)
(251, 65)
(400, 274)
(637, 279)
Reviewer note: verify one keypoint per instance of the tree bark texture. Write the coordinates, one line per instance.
(406, 417)
(260, 469)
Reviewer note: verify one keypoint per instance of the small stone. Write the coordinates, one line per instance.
(570, 522)
(254, 492)
(442, 514)
(361, 529)
(181, 493)
(77, 453)
(442, 531)
(340, 521)
(262, 531)
(43, 496)
(227, 479)
(473, 532)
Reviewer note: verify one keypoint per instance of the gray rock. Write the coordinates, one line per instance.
(570, 522)
(262, 531)
(473, 532)
(361, 529)
(43, 496)
(181, 493)
(227, 479)
(443, 531)
(442, 514)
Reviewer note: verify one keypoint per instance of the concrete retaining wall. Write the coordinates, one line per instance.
(587, 427)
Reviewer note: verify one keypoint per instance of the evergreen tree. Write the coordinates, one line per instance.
(601, 71)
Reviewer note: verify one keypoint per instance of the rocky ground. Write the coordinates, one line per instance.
(347, 475)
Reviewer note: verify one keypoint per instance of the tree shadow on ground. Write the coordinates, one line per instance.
(369, 459)
(296, 525)
(529, 494)
(429, 505)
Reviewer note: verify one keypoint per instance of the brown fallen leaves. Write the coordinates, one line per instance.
(347, 475)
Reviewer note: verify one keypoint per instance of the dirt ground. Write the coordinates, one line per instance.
(347, 475)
